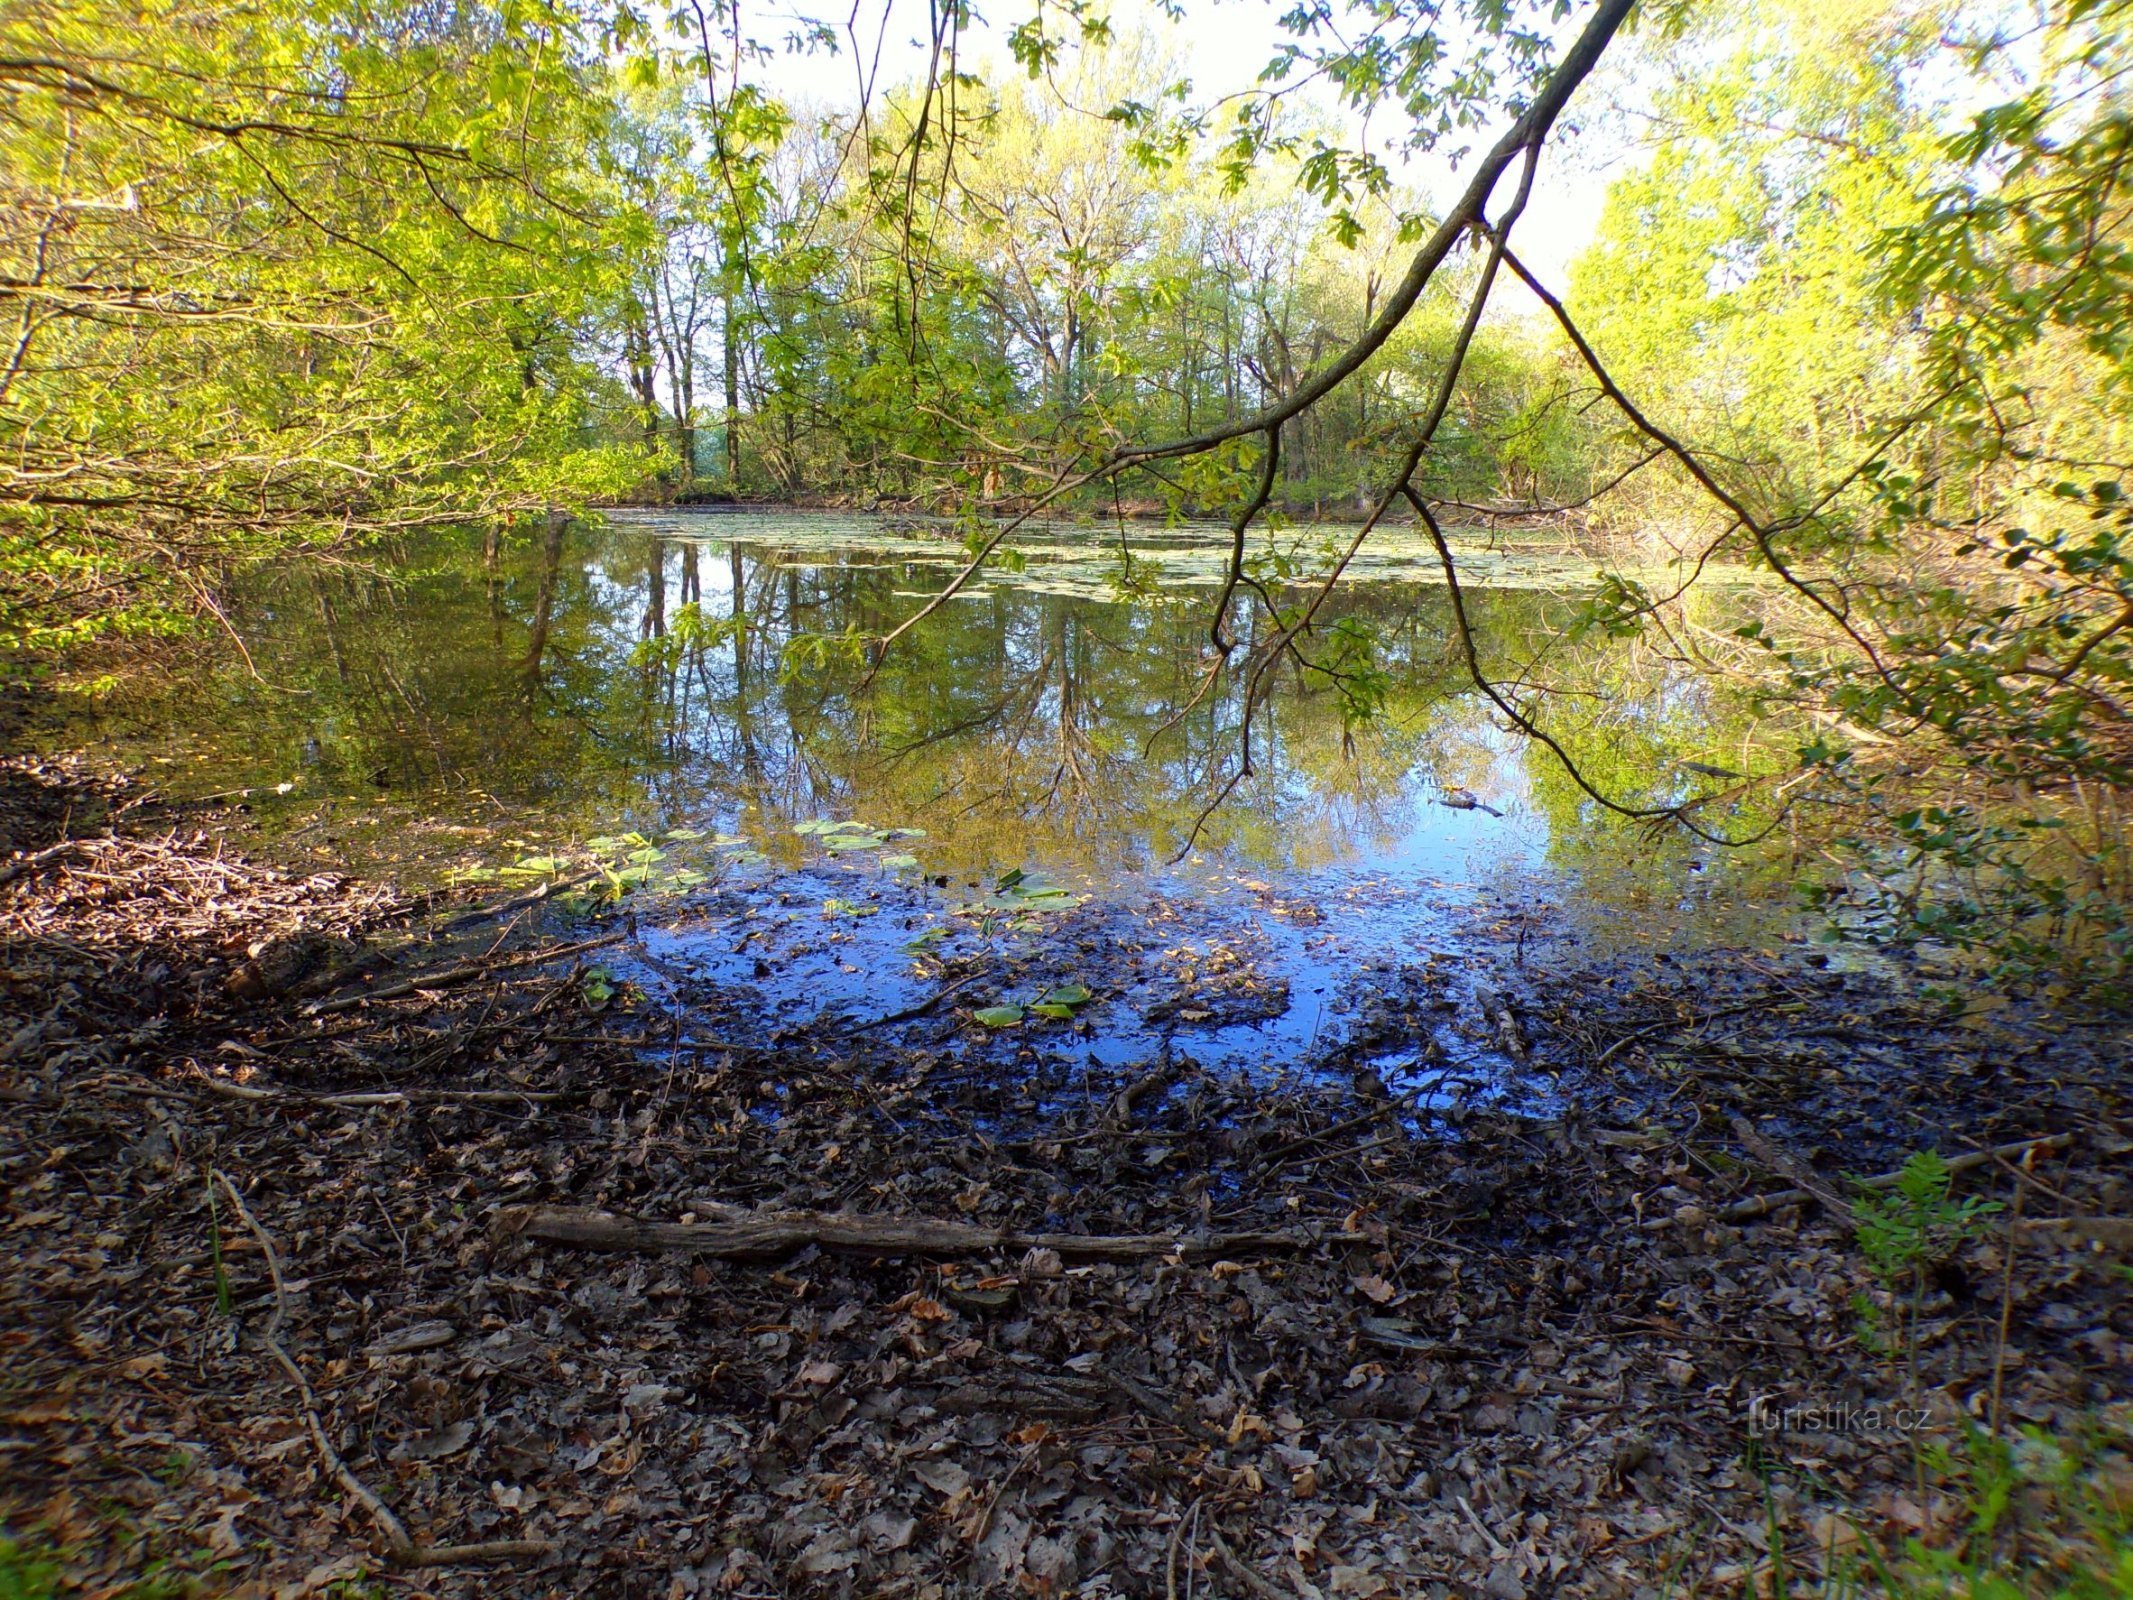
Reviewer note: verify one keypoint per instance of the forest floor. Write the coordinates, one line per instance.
(298, 1287)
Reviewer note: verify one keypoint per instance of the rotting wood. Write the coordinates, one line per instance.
(1158, 1077)
(771, 1235)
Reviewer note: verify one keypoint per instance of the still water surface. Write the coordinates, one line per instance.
(434, 711)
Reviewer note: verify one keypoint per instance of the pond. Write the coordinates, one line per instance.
(679, 692)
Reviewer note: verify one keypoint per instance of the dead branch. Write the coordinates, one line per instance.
(1786, 1166)
(23, 866)
(474, 969)
(402, 1545)
(1763, 1204)
(773, 1235)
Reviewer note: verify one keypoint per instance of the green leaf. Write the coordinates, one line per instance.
(999, 1016)
(838, 843)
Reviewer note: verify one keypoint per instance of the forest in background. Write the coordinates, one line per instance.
(296, 277)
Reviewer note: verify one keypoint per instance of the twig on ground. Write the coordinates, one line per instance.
(1248, 1575)
(475, 969)
(519, 902)
(1786, 1166)
(1660, 1030)
(25, 865)
(1999, 1344)
(1763, 1204)
(401, 1544)
(385, 1097)
(912, 1013)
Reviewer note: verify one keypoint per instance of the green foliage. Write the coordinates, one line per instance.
(953, 296)
(1059, 1004)
(1877, 274)
(279, 276)
(27, 1572)
(1917, 1222)
(688, 630)
(2043, 1517)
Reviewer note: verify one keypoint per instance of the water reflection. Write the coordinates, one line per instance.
(566, 680)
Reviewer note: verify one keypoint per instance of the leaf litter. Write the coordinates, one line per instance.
(1520, 1363)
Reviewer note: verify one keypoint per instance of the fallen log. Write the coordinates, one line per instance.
(770, 1235)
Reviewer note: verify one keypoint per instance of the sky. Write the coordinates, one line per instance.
(1223, 44)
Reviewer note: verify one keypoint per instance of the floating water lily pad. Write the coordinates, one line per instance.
(837, 843)
(999, 1016)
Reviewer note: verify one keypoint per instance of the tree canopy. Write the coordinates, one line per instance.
(296, 273)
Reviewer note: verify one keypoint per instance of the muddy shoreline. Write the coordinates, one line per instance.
(1515, 1356)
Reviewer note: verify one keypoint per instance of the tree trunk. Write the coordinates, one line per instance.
(732, 363)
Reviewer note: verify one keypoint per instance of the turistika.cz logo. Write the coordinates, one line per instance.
(1770, 1415)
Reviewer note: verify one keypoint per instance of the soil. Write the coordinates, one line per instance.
(1516, 1357)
